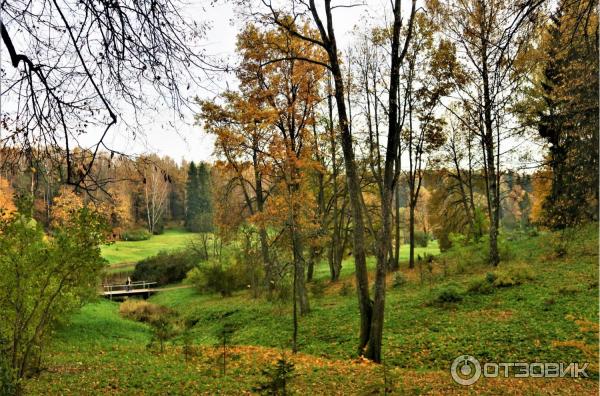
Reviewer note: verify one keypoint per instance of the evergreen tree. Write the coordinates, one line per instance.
(192, 190)
(204, 219)
(566, 95)
(199, 203)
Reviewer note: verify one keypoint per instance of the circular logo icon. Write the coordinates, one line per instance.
(465, 370)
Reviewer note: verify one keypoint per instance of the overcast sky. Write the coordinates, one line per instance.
(183, 140)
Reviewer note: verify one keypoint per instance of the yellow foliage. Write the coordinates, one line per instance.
(7, 206)
(65, 205)
(542, 182)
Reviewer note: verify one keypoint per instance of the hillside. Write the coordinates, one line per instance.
(551, 316)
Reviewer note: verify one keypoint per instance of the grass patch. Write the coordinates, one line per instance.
(132, 251)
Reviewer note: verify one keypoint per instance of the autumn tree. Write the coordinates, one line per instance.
(490, 36)
(241, 135)
(459, 158)
(371, 312)
(424, 92)
(7, 206)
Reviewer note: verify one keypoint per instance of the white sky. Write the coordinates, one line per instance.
(188, 141)
(165, 134)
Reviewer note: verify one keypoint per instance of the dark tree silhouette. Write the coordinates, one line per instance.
(74, 67)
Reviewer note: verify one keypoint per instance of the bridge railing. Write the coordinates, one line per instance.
(140, 285)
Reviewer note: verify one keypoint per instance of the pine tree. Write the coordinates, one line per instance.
(192, 196)
(203, 221)
(567, 116)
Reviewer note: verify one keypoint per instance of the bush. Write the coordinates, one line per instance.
(159, 228)
(399, 280)
(481, 286)
(143, 311)
(505, 251)
(163, 330)
(448, 294)
(421, 238)
(514, 276)
(165, 267)
(277, 378)
(214, 278)
(490, 277)
(505, 280)
(283, 290)
(136, 235)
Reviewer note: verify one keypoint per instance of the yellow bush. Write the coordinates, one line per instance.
(142, 310)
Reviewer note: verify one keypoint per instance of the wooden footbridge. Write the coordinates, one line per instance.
(134, 289)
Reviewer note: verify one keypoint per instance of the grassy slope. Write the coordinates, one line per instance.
(512, 324)
(129, 251)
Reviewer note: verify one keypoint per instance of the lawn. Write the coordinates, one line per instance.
(551, 317)
(129, 252)
(322, 271)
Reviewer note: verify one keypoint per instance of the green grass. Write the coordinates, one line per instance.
(123, 252)
(520, 323)
(322, 271)
(511, 324)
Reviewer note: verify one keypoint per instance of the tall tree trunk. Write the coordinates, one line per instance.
(389, 180)
(396, 263)
(488, 140)
(411, 234)
(299, 275)
(262, 232)
(362, 281)
(371, 313)
(335, 258)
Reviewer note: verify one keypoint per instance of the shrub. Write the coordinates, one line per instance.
(143, 311)
(163, 330)
(158, 317)
(505, 251)
(533, 232)
(399, 280)
(448, 294)
(215, 278)
(481, 286)
(136, 235)
(548, 303)
(159, 228)
(421, 238)
(277, 378)
(505, 280)
(166, 267)
(513, 276)
(461, 267)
